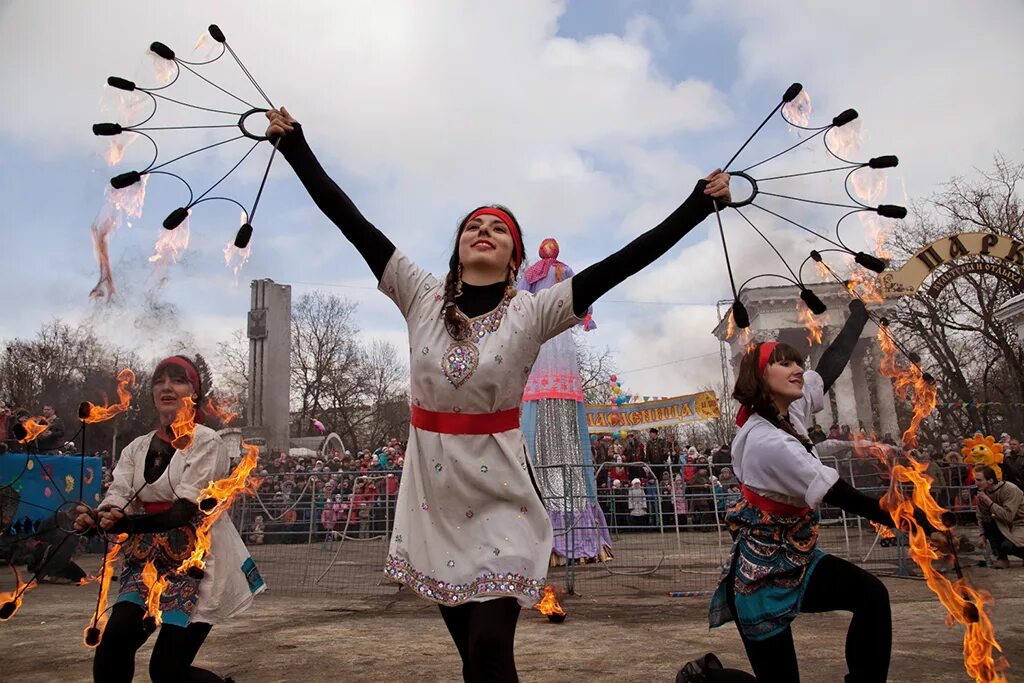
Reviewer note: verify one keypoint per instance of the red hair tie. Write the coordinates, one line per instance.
(513, 227)
(764, 353)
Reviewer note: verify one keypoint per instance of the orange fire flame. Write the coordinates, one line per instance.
(823, 272)
(223, 410)
(730, 329)
(222, 494)
(106, 574)
(964, 604)
(34, 426)
(924, 394)
(184, 425)
(799, 109)
(549, 604)
(811, 323)
(155, 587)
(864, 284)
(125, 383)
(12, 600)
(882, 531)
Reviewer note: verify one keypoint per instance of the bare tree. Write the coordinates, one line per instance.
(325, 358)
(596, 367)
(976, 357)
(232, 367)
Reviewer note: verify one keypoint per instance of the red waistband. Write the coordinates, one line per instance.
(772, 507)
(464, 423)
(152, 508)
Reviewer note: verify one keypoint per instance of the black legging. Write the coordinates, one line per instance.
(485, 633)
(835, 585)
(175, 649)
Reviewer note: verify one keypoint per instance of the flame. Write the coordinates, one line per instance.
(235, 258)
(125, 383)
(845, 140)
(184, 425)
(882, 531)
(34, 426)
(799, 110)
(120, 206)
(864, 285)
(823, 271)
(163, 69)
(963, 603)
(16, 596)
(924, 394)
(223, 492)
(155, 587)
(223, 410)
(549, 603)
(100, 617)
(171, 245)
(811, 323)
(730, 330)
(870, 184)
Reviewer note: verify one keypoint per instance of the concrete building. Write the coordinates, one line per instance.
(861, 397)
(270, 332)
(1013, 312)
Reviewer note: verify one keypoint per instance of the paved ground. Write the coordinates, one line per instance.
(618, 635)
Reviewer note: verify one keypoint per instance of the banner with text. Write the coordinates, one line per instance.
(663, 413)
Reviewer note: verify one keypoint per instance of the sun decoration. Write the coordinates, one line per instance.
(983, 451)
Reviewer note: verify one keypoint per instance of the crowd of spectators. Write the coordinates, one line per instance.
(327, 496)
(51, 441)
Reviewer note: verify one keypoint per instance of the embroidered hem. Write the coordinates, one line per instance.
(486, 585)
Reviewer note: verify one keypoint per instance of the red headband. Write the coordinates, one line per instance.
(507, 220)
(764, 353)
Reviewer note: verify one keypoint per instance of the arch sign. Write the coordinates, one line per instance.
(1005, 260)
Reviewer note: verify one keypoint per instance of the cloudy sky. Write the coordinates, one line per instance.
(592, 120)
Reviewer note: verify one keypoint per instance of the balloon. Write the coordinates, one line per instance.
(594, 437)
(614, 378)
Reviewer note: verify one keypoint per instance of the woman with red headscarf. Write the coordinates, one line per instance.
(776, 570)
(471, 533)
(162, 478)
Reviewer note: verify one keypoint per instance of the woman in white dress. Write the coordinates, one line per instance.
(154, 499)
(471, 533)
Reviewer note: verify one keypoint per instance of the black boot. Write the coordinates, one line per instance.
(695, 671)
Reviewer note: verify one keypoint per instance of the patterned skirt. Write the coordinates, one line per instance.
(166, 550)
(771, 560)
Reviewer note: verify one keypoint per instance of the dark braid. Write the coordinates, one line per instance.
(454, 321)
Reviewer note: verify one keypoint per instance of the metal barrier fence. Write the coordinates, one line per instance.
(304, 541)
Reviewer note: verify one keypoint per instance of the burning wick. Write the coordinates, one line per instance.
(7, 610)
(549, 607)
(207, 504)
(92, 636)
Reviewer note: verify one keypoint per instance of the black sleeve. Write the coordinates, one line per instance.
(375, 248)
(181, 513)
(838, 353)
(596, 280)
(844, 496)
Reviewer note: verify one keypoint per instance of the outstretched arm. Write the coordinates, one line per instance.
(838, 353)
(596, 280)
(375, 248)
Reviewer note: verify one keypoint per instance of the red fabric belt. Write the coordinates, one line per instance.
(772, 507)
(152, 508)
(464, 423)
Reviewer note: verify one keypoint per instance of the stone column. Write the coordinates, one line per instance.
(862, 392)
(824, 417)
(846, 403)
(886, 401)
(270, 334)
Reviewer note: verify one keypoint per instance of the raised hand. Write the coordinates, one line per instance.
(718, 186)
(281, 123)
